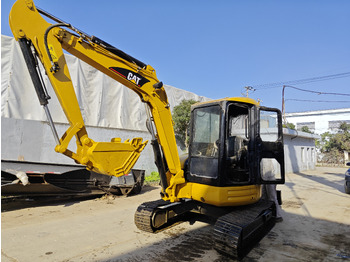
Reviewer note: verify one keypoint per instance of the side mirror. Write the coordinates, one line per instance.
(348, 163)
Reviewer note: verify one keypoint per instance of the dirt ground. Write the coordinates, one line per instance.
(316, 227)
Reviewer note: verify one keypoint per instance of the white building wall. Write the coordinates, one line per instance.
(299, 151)
(321, 118)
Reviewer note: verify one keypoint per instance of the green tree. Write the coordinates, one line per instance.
(332, 146)
(289, 125)
(181, 118)
(306, 129)
(342, 138)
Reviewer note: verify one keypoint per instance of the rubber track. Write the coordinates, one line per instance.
(144, 213)
(228, 229)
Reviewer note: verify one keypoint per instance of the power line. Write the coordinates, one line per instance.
(316, 101)
(306, 90)
(300, 81)
(315, 92)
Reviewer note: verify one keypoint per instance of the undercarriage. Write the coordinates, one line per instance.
(236, 229)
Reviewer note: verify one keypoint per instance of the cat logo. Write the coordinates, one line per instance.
(133, 77)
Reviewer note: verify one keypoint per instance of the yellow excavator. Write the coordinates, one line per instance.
(235, 147)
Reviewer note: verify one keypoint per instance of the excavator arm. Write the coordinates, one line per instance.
(47, 41)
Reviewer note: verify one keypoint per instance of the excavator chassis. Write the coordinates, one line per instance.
(236, 229)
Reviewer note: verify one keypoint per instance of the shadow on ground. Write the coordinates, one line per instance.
(20, 202)
(284, 241)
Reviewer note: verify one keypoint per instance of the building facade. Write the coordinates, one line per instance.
(320, 121)
(299, 150)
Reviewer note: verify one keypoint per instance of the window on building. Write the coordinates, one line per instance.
(303, 157)
(312, 155)
(306, 125)
(334, 125)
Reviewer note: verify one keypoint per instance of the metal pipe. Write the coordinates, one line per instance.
(58, 20)
(158, 155)
(51, 124)
(149, 123)
(52, 17)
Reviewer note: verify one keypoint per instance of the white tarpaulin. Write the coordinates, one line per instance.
(103, 101)
(108, 108)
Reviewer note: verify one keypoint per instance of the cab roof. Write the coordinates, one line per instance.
(232, 99)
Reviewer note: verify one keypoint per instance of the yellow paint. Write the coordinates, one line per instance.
(221, 196)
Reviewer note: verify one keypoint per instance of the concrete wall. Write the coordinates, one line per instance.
(30, 140)
(299, 150)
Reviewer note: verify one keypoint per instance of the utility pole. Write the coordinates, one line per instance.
(247, 89)
(283, 105)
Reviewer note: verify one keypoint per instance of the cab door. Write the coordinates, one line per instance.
(269, 145)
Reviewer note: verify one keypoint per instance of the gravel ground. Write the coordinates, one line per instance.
(316, 227)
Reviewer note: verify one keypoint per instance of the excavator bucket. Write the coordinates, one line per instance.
(115, 158)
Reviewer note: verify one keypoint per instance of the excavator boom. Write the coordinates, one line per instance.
(47, 41)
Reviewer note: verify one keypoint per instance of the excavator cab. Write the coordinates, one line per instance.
(235, 142)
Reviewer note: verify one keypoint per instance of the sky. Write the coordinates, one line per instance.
(217, 48)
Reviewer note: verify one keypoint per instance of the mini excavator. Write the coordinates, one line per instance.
(236, 145)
